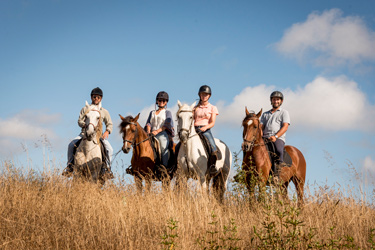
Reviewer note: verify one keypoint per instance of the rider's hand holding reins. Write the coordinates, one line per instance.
(105, 135)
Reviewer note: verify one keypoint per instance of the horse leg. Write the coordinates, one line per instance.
(299, 184)
(138, 183)
(284, 191)
(166, 182)
(148, 184)
(250, 185)
(208, 179)
(219, 187)
(203, 182)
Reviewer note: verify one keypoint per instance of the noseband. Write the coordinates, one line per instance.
(136, 132)
(252, 142)
(95, 127)
(133, 143)
(184, 129)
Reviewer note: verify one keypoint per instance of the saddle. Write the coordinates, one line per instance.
(155, 145)
(271, 148)
(105, 156)
(207, 147)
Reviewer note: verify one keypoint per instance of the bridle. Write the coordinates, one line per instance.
(251, 143)
(133, 143)
(95, 127)
(185, 129)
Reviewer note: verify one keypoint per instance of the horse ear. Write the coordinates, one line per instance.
(100, 105)
(179, 103)
(122, 118)
(246, 111)
(260, 113)
(193, 105)
(87, 104)
(136, 118)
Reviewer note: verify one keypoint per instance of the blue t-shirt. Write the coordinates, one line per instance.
(272, 122)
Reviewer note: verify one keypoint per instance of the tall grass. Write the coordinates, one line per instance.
(46, 211)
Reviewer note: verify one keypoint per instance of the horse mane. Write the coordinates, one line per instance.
(127, 120)
(99, 127)
(248, 117)
(99, 130)
(182, 108)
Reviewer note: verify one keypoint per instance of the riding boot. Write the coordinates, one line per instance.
(129, 170)
(278, 167)
(212, 164)
(68, 171)
(109, 173)
(106, 171)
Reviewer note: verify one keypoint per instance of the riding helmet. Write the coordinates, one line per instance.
(277, 94)
(162, 95)
(97, 91)
(205, 89)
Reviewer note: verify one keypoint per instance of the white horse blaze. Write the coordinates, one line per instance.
(250, 122)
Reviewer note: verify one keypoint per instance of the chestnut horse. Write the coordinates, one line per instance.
(256, 162)
(143, 159)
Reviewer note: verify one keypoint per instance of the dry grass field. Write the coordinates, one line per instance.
(47, 211)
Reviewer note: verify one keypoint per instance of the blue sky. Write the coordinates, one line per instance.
(321, 54)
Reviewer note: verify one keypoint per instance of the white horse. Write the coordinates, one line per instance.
(88, 157)
(192, 158)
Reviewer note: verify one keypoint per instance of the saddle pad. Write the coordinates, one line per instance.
(155, 145)
(273, 155)
(207, 147)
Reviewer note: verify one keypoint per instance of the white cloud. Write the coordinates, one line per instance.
(369, 166)
(26, 126)
(329, 39)
(332, 104)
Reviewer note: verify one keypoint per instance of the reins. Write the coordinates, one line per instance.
(252, 142)
(133, 143)
(190, 126)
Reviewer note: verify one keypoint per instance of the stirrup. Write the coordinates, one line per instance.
(213, 171)
(68, 171)
(129, 170)
(107, 173)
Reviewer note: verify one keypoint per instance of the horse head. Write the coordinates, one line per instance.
(185, 119)
(251, 129)
(93, 127)
(128, 129)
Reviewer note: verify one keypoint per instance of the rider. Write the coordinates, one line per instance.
(96, 98)
(204, 119)
(160, 124)
(275, 123)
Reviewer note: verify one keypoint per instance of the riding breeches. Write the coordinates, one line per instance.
(163, 139)
(72, 144)
(280, 150)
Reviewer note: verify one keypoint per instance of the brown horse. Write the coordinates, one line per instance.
(143, 159)
(256, 162)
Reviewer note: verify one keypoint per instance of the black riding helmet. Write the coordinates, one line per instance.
(162, 95)
(277, 94)
(205, 89)
(97, 91)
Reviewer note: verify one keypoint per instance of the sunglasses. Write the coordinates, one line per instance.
(96, 96)
(161, 100)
